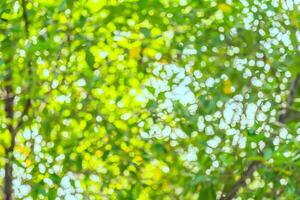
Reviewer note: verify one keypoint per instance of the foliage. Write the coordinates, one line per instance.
(150, 99)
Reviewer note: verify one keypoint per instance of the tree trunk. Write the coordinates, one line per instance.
(9, 160)
(8, 178)
(9, 157)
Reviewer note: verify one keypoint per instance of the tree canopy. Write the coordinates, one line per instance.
(149, 99)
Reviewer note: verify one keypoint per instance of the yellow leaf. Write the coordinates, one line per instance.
(134, 52)
(134, 82)
(163, 61)
(149, 52)
(120, 125)
(165, 186)
(124, 147)
(294, 20)
(28, 163)
(137, 159)
(2, 150)
(227, 89)
(225, 8)
(99, 153)
(114, 158)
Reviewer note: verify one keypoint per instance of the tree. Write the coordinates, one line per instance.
(149, 99)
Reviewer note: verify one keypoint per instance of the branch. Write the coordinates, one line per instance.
(255, 164)
(294, 115)
(9, 107)
(242, 181)
(293, 89)
(25, 17)
(29, 66)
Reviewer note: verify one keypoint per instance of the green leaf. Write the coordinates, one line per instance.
(151, 105)
(268, 153)
(145, 32)
(90, 59)
(52, 193)
(207, 193)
